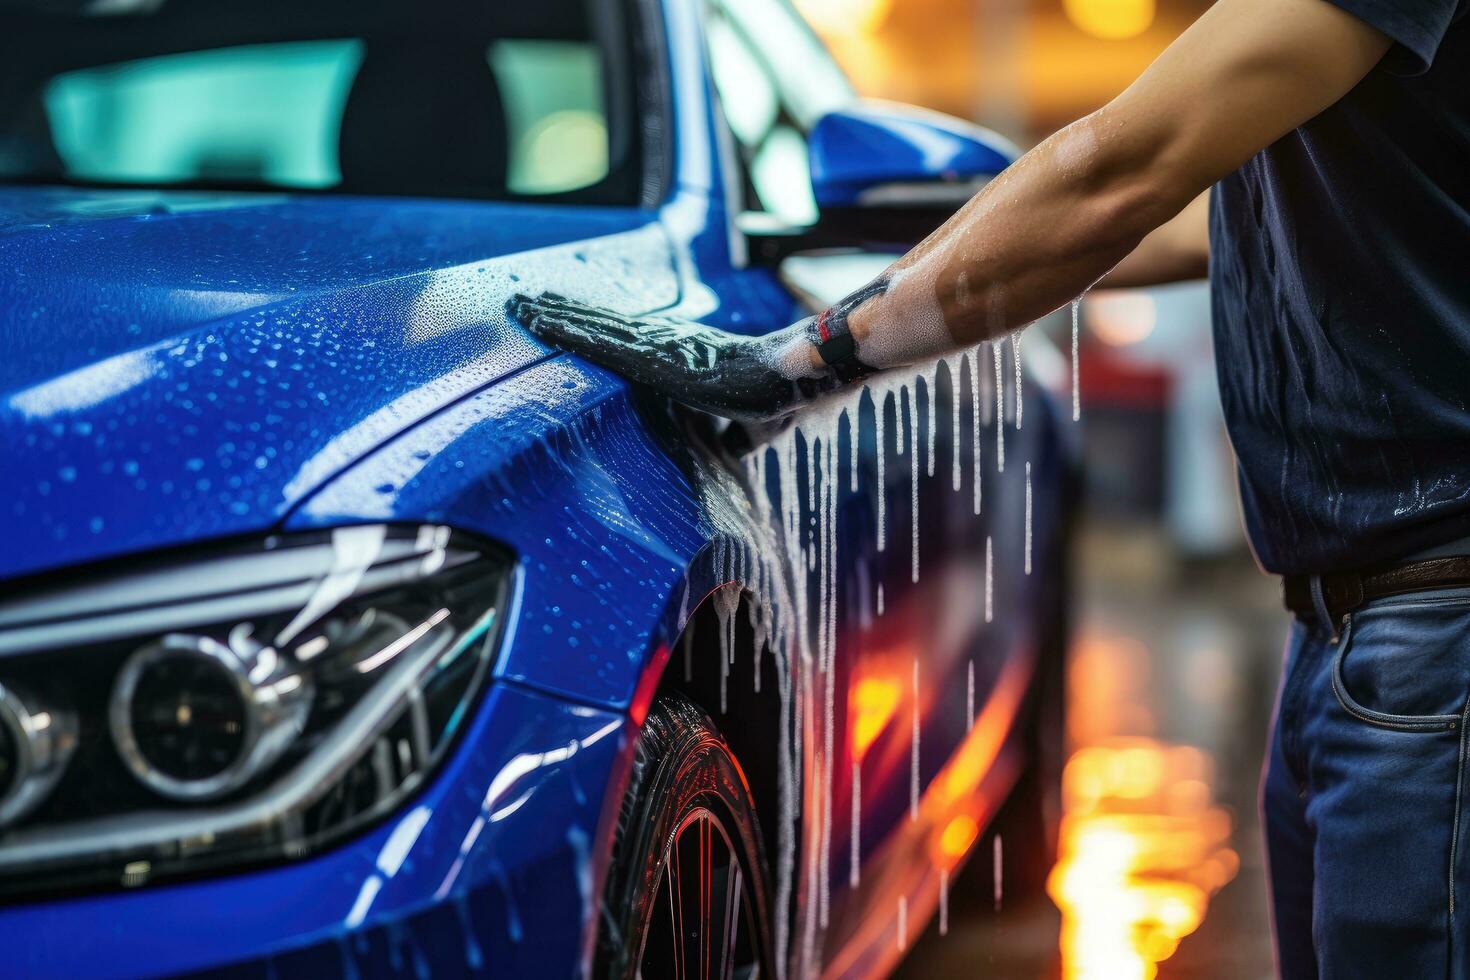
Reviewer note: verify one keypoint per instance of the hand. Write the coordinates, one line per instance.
(749, 379)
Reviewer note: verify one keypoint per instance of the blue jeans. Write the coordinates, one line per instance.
(1364, 797)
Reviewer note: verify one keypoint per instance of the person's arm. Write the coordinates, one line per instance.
(1049, 227)
(1244, 74)
(1175, 251)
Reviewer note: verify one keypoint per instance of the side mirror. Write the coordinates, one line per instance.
(885, 175)
(885, 155)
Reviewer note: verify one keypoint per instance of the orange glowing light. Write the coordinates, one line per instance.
(1143, 849)
(1122, 317)
(846, 16)
(1111, 20)
(871, 706)
(958, 835)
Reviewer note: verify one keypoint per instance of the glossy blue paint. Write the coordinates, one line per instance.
(599, 502)
(875, 143)
(196, 369)
(471, 878)
(180, 367)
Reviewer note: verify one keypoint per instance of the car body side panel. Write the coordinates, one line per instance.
(605, 516)
(968, 753)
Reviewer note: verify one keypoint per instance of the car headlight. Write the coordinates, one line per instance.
(249, 704)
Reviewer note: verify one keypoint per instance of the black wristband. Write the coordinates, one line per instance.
(829, 333)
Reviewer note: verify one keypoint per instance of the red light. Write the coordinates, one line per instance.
(648, 684)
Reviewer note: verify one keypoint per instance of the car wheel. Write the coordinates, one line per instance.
(687, 889)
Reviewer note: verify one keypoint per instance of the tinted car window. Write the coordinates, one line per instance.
(267, 112)
(555, 122)
(484, 100)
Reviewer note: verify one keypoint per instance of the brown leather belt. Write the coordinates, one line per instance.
(1342, 592)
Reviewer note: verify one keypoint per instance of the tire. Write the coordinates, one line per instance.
(688, 883)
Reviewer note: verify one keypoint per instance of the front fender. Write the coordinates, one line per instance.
(606, 503)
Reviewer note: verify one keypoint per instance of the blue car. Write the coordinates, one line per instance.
(347, 630)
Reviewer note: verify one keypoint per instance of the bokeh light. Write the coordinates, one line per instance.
(564, 151)
(1122, 317)
(871, 704)
(846, 16)
(1143, 849)
(958, 836)
(1111, 20)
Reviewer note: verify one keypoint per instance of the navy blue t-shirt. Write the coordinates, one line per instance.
(1340, 269)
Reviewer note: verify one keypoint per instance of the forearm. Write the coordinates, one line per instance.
(1049, 227)
(1074, 207)
(1035, 238)
(1176, 251)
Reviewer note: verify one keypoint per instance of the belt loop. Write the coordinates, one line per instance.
(1319, 602)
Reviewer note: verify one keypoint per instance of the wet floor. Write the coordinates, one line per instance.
(1171, 679)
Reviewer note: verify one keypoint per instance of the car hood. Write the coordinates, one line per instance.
(182, 366)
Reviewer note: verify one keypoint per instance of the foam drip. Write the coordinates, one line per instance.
(1076, 344)
(998, 863)
(1000, 408)
(977, 401)
(955, 381)
(989, 575)
(970, 696)
(914, 509)
(931, 380)
(943, 902)
(1028, 517)
(782, 545)
(1016, 358)
(879, 405)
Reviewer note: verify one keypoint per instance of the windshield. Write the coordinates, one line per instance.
(436, 97)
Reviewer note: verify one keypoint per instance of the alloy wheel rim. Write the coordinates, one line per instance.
(700, 925)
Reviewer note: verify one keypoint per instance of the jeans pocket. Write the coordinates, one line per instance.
(1404, 667)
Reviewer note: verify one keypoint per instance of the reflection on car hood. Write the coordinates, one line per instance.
(179, 366)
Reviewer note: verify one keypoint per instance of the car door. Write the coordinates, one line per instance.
(925, 627)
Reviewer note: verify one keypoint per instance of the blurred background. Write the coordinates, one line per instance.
(1177, 636)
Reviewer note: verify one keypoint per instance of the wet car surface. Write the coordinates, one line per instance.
(351, 602)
